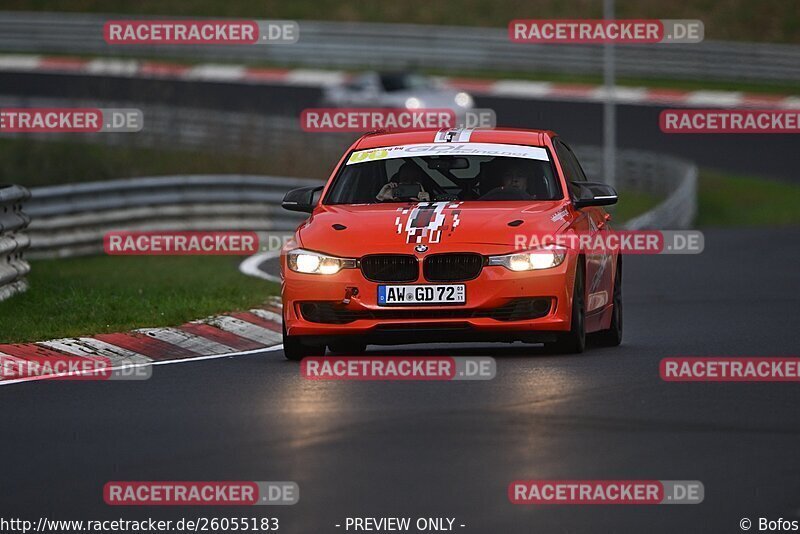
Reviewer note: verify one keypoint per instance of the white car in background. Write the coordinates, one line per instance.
(396, 90)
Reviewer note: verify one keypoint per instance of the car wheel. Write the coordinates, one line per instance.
(613, 336)
(574, 341)
(295, 350)
(348, 348)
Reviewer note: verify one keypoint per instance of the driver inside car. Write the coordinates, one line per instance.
(514, 185)
(408, 174)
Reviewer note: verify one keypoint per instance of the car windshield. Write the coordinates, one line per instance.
(421, 173)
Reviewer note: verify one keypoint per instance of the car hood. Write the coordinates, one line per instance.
(355, 230)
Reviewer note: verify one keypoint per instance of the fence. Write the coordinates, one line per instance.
(400, 46)
(13, 268)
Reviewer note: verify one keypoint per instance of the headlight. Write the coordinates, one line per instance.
(308, 262)
(463, 100)
(413, 103)
(531, 260)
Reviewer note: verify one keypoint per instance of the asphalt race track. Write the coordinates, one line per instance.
(450, 449)
(579, 122)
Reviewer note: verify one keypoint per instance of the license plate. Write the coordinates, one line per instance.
(415, 295)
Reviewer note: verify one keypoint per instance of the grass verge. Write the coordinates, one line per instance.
(738, 201)
(631, 204)
(34, 163)
(91, 295)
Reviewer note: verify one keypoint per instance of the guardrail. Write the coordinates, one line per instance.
(401, 46)
(13, 267)
(71, 220)
(673, 179)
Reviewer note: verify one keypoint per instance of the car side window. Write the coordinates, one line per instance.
(572, 169)
(580, 175)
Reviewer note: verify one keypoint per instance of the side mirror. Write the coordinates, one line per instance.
(594, 194)
(301, 199)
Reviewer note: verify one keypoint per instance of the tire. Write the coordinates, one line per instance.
(574, 341)
(348, 348)
(295, 350)
(613, 336)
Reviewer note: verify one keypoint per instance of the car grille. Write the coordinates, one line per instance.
(515, 310)
(390, 268)
(452, 267)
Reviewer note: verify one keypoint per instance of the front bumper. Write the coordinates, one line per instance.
(494, 288)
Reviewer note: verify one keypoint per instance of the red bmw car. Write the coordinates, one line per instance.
(433, 236)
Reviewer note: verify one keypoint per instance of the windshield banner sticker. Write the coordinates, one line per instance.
(449, 149)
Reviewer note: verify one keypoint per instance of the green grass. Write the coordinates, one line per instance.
(739, 201)
(631, 204)
(744, 20)
(33, 163)
(90, 295)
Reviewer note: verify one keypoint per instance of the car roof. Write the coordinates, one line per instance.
(498, 135)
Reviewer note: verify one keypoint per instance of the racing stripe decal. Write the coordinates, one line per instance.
(426, 221)
(454, 135)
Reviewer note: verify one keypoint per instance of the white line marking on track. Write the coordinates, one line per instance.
(315, 78)
(620, 94)
(714, 98)
(4, 358)
(145, 364)
(792, 102)
(19, 62)
(214, 72)
(113, 67)
(250, 265)
(521, 88)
